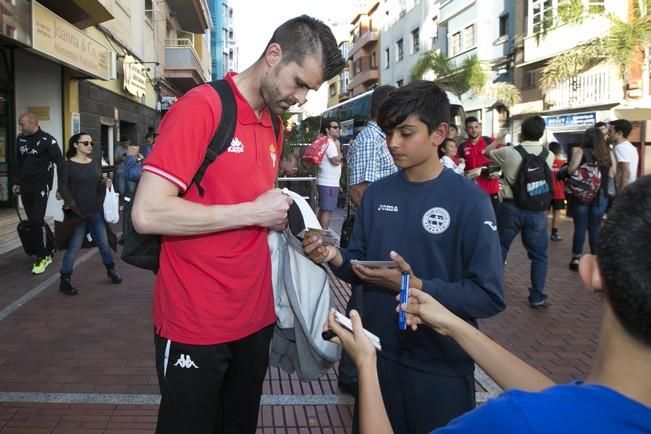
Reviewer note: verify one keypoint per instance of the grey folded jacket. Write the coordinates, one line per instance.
(302, 301)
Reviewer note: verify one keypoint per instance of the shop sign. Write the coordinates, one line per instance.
(61, 41)
(42, 112)
(135, 77)
(583, 120)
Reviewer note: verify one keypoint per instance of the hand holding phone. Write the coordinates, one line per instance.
(344, 321)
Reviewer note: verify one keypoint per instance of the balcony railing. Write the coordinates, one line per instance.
(180, 54)
(362, 41)
(589, 88)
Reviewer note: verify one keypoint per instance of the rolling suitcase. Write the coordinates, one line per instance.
(29, 236)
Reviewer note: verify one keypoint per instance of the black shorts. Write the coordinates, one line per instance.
(558, 204)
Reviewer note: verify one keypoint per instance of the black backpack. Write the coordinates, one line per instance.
(143, 250)
(533, 185)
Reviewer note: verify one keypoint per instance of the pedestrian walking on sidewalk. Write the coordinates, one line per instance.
(82, 188)
(37, 153)
(213, 299)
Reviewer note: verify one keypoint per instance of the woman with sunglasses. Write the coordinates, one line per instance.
(82, 188)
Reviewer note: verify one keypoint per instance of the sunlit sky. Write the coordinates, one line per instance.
(255, 21)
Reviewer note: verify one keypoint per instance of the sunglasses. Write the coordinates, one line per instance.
(86, 143)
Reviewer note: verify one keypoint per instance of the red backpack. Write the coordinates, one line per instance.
(314, 154)
(585, 182)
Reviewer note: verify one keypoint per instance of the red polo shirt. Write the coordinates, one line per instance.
(214, 288)
(474, 156)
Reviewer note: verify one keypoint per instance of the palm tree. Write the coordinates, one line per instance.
(623, 45)
(460, 78)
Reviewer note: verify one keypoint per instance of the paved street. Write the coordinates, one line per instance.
(85, 364)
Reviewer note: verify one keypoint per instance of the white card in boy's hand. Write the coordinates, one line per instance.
(375, 264)
(345, 322)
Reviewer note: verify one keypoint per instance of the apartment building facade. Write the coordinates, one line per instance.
(98, 66)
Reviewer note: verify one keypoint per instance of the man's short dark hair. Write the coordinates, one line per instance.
(421, 98)
(555, 148)
(452, 126)
(326, 123)
(533, 128)
(600, 124)
(379, 95)
(623, 251)
(306, 36)
(471, 119)
(622, 126)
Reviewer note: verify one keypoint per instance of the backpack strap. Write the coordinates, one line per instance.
(521, 151)
(225, 130)
(224, 133)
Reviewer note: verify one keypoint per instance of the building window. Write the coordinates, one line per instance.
(400, 83)
(415, 40)
(469, 37)
(387, 58)
(504, 25)
(333, 89)
(399, 50)
(435, 29)
(542, 14)
(357, 66)
(596, 6)
(373, 60)
(455, 44)
(531, 79)
(343, 81)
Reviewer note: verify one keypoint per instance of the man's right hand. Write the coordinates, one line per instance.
(16, 189)
(270, 209)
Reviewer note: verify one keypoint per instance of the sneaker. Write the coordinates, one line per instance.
(574, 263)
(40, 265)
(556, 237)
(537, 304)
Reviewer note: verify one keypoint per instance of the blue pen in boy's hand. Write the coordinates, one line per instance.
(404, 297)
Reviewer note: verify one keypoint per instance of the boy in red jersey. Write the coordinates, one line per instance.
(558, 190)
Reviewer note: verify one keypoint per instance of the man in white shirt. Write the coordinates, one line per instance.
(625, 153)
(327, 179)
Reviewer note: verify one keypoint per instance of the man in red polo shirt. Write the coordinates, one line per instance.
(473, 153)
(213, 306)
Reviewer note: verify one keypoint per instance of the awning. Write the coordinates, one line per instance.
(633, 110)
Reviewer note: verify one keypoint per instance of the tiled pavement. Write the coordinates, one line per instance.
(58, 353)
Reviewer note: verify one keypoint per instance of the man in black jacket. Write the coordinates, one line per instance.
(36, 154)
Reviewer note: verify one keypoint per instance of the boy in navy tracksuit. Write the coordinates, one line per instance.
(440, 228)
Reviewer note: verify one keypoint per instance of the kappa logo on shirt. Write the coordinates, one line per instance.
(236, 146)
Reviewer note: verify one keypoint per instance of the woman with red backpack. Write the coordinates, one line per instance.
(587, 190)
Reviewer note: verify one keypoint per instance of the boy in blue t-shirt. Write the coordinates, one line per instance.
(616, 396)
(443, 226)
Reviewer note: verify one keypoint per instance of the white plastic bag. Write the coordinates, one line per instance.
(111, 206)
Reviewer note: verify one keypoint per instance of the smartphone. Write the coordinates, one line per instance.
(375, 264)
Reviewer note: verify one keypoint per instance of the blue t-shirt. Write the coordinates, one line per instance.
(445, 229)
(576, 408)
